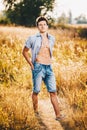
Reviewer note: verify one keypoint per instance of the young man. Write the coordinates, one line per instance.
(41, 46)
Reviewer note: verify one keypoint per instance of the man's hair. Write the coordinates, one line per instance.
(41, 18)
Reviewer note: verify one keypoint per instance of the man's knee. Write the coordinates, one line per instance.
(53, 94)
(34, 93)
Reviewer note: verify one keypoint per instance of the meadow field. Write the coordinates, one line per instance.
(69, 64)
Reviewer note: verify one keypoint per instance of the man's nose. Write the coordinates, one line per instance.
(43, 26)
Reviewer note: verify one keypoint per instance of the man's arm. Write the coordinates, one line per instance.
(26, 56)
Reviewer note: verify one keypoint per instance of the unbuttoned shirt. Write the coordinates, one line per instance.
(34, 43)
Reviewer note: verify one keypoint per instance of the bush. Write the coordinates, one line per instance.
(82, 32)
(5, 21)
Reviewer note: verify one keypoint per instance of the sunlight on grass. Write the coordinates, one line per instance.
(69, 65)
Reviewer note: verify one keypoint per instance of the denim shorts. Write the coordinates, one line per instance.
(45, 73)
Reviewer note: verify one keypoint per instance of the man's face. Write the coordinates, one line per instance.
(42, 26)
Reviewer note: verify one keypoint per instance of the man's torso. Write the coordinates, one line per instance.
(38, 50)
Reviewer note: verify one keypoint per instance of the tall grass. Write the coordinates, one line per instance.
(16, 111)
(69, 65)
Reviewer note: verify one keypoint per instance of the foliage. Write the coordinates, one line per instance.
(81, 19)
(82, 32)
(70, 17)
(26, 11)
(63, 19)
(3, 19)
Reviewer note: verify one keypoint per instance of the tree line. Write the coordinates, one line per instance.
(24, 12)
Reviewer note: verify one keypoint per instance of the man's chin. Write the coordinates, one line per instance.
(43, 31)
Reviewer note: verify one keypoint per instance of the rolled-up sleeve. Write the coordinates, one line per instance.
(28, 43)
(53, 41)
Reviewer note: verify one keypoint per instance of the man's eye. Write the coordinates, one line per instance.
(42, 25)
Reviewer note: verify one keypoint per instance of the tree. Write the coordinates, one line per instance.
(81, 19)
(63, 19)
(70, 17)
(24, 12)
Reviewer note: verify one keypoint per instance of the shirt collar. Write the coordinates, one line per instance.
(39, 35)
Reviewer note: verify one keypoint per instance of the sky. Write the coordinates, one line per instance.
(1, 5)
(77, 7)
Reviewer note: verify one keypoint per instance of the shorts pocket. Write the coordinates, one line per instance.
(51, 68)
(36, 64)
(37, 68)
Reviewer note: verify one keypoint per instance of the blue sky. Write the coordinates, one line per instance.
(77, 7)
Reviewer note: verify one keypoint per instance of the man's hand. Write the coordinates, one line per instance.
(25, 54)
(32, 66)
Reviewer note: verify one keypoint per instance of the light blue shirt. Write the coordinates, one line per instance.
(34, 43)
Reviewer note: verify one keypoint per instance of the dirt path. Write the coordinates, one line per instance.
(47, 116)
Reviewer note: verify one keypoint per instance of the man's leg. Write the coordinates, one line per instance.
(35, 101)
(37, 79)
(54, 101)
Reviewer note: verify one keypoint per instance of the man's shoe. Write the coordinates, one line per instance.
(37, 114)
(60, 117)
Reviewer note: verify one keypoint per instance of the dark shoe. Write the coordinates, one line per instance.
(37, 114)
(60, 117)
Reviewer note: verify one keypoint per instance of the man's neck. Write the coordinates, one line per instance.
(44, 34)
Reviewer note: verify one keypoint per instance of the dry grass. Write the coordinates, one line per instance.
(16, 111)
(69, 65)
(79, 25)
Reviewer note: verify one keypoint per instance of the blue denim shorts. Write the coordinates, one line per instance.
(45, 73)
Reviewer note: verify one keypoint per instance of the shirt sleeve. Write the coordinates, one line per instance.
(28, 43)
(53, 41)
